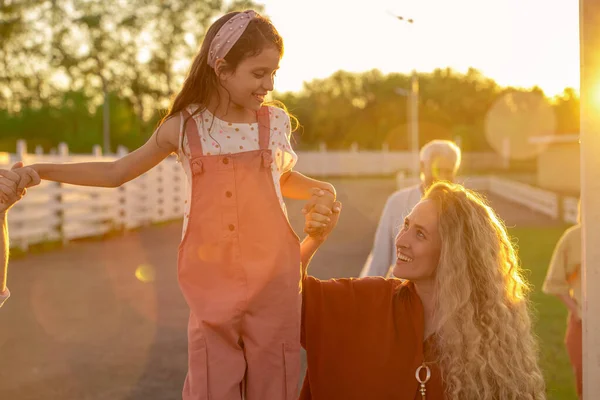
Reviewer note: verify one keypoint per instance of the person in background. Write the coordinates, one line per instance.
(563, 280)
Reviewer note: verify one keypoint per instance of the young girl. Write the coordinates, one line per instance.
(239, 260)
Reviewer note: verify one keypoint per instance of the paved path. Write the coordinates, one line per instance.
(81, 325)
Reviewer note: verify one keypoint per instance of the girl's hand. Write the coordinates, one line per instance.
(319, 223)
(28, 177)
(320, 204)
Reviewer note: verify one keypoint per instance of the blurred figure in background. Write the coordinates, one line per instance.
(564, 281)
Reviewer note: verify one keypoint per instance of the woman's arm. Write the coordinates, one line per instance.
(308, 248)
(163, 142)
(570, 303)
(318, 226)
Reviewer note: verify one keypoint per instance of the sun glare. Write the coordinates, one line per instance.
(496, 38)
(596, 96)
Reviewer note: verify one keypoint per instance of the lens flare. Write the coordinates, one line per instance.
(145, 273)
(514, 120)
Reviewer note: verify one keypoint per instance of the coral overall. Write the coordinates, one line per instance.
(239, 271)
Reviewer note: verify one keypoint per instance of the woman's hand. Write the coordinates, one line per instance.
(318, 224)
(320, 221)
(10, 192)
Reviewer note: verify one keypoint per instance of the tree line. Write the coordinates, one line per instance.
(63, 63)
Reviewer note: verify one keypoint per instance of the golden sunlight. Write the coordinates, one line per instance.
(596, 96)
(520, 56)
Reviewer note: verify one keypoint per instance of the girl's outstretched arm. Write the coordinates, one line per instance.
(163, 142)
(295, 185)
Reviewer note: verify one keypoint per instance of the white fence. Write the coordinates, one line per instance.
(571, 210)
(58, 212)
(365, 163)
(536, 199)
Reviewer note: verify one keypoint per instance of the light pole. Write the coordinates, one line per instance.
(413, 101)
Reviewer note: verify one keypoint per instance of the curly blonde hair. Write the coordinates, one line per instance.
(484, 341)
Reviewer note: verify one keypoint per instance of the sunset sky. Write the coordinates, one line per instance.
(516, 42)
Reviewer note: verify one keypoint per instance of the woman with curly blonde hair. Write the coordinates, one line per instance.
(455, 326)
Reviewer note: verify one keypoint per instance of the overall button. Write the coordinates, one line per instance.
(197, 166)
(231, 227)
(226, 160)
(228, 194)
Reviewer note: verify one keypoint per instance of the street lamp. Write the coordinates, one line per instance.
(413, 101)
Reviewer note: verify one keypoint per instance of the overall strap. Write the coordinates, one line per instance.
(264, 128)
(191, 133)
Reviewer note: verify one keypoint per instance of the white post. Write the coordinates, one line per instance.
(63, 149)
(97, 151)
(63, 152)
(589, 29)
(128, 197)
(106, 118)
(122, 151)
(21, 149)
(39, 150)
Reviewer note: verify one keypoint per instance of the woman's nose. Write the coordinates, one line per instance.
(401, 242)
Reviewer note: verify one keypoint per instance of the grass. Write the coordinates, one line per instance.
(535, 249)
